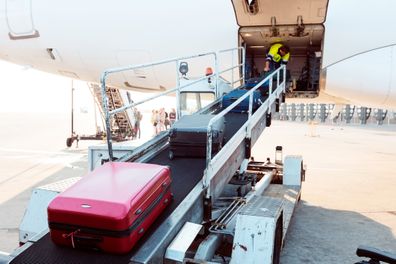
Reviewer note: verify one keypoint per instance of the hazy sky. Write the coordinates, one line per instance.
(29, 90)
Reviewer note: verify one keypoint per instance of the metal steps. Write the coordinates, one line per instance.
(122, 124)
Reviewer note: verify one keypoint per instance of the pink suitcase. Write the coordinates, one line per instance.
(110, 208)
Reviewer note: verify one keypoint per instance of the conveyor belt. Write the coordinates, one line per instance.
(186, 173)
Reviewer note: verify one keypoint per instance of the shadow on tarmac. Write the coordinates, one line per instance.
(320, 235)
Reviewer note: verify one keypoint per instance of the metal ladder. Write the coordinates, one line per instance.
(122, 123)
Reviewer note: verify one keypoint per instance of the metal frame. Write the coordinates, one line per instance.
(177, 89)
(215, 164)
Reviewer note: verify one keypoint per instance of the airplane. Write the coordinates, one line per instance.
(80, 40)
(352, 42)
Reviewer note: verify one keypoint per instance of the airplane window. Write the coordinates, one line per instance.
(192, 102)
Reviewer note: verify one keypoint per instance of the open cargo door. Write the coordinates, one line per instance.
(296, 23)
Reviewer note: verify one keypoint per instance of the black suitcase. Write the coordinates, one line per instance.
(187, 136)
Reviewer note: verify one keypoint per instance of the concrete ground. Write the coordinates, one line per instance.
(20, 171)
(348, 197)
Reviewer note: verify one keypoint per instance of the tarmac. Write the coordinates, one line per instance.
(348, 198)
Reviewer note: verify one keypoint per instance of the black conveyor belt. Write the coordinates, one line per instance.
(186, 173)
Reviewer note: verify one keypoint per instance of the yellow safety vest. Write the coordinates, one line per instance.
(273, 54)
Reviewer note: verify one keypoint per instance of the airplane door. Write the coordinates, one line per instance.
(19, 19)
(297, 24)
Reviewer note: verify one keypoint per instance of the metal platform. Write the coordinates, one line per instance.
(290, 195)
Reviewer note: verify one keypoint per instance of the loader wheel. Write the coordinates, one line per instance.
(69, 142)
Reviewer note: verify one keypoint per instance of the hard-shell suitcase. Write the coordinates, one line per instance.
(110, 208)
(252, 82)
(264, 88)
(243, 106)
(188, 136)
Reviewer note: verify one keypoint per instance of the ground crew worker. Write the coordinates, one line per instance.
(278, 54)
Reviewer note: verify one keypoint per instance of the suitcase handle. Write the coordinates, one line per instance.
(83, 240)
(86, 238)
(87, 242)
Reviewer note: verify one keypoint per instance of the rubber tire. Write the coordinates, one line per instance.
(69, 142)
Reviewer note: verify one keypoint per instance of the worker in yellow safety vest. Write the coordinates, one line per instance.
(278, 54)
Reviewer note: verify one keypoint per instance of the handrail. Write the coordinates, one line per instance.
(177, 89)
(123, 108)
(243, 57)
(209, 172)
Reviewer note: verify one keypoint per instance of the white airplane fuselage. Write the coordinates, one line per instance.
(85, 38)
(80, 39)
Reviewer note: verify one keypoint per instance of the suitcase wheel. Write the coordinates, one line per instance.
(171, 155)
